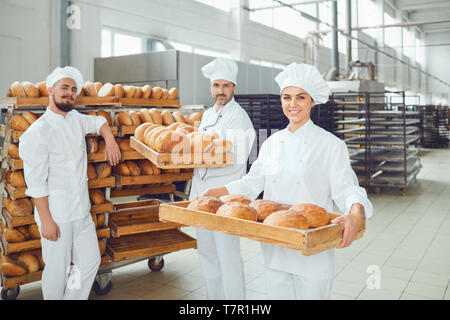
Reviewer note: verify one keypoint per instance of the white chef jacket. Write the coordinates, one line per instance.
(232, 123)
(53, 150)
(310, 165)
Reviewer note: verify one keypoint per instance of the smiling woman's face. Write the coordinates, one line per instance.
(297, 105)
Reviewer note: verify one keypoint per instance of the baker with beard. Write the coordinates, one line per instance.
(54, 155)
(219, 253)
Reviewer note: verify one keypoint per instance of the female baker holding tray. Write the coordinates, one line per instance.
(303, 164)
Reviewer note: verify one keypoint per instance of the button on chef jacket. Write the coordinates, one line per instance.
(53, 150)
(308, 166)
(231, 122)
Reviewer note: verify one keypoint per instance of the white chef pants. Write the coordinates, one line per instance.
(222, 265)
(77, 244)
(287, 286)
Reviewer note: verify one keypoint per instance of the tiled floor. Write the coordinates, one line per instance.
(407, 241)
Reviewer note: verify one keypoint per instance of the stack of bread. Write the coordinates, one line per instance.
(155, 116)
(95, 89)
(300, 216)
(19, 264)
(21, 122)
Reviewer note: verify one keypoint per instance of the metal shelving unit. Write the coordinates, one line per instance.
(435, 129)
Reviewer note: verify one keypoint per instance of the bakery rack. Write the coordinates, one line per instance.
(131, 228)
(435, 129)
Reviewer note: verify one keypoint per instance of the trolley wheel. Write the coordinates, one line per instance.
(402, 192)
(10, 294)
(102, 291)
(155, 267)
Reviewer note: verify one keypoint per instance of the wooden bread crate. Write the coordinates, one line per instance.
(102, 208)
(308, 242)
(115, 193)
(160, 178)
(43, 102)
(12, 222)
(15, 193)
(127, 155)
(175, 161)
(102, 183)
(149, 102)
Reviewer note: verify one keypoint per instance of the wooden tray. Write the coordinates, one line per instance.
(127, 155)
(102, 183)
(103, 233)
(126, 130)
(15, 193)
(102, 208)
(9, 248)
(148, 244)
(309, 242)
(15, 164)
(44, 101)
(115, 193)
(149, 102)
(130, 180)
(12, 222)
(169, 161)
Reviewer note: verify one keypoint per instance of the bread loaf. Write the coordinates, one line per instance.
(42, 87)
(238, 210)
(92, 145)
(135, 119)
(156, 170)
(124, 145)
(14, 235)
(235, 198)
(140, 130)
(156, 116)
(101, 146)
(97, 196)
(30, 89)
(19, 208)
(29, 261)
(153, 136)
(199, 142)
(34, 231)
(29, 116)
(18, 122)
(102, 247)
(98, 85)
(138, 93)
(90, 90)
(185, 129)
(91, 113)
(173, 94)
(147, 91)
(287, 219)
(146, 167)
(124, 118)
(82, 92)
(107, 90)
(103, 170)
(13, 151)
(149, 131)
(206, 204)
(15, 178)
(178, 117)
(145, 116)
(221, 146)
(174, 126)
(24, 231)
(91, 174)
(104, 114)
(166, 141)
(101, 220)
(165, 94)
(167, 118)
(157, 93)
(9, 94)
(17, 89)
(12, 270)
(129, 91)
(265, 207)
(119, 91)
(194, 119)
(123, 170)
(315, 215)
(134, 168)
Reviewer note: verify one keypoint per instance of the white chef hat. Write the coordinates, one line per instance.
(308, 78)
(222, 69)
(66, 72)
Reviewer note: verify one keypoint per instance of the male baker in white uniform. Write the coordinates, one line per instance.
(54, 157)
(223, 269)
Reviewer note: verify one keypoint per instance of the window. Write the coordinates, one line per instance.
(125, 44)
(265, 63)
(409, 45)
(106, 43)
(224, 5)
(392, 36)
(369, 15)
(211, 53)
(420, 52)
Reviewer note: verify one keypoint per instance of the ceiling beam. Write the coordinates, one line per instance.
(424, 5)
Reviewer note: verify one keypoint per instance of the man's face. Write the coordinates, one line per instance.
(222, 91)
(64, 93)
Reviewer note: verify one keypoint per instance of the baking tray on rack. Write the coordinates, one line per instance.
(395, 178)
(387, 166)
(380, 155)
(389, 141)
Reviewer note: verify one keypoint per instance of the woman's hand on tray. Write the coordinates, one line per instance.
(352, 223)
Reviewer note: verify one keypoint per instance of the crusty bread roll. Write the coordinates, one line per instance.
(92, 145)
(100, 220)
(138, 93)
(34, 232)
(167, 118)
(287, 219)
(91, 113)
(149, 130)
(18, 122)
(134, 168)
(315, 215)
(124, 118)
(19, 208)
(107, 90)
(185, 129)
(235, 198)
(206, 204)
(156, 116)
(90, 90)
(13, 236)
(165, 94)
(9, 94)
(97, 196)
(29, 261)
(178, 117)
(124, 145)
(168, 140)
(104, 114)
(265, 207)
(29, 116)
(153, 135)
(123, 170)
(101, 145)
(13, 151)
(173, 94)
(24, 231)
(157, 92)
(94, 219)
(135, 119)
(91, 174)
(17, 89)
(102, 247)
(147, 91)
(194, 119)
(146, 167)
(98, 85)
(16, 179)
(140, 130)
(30, 89)
(174, 126)
(82, 92)
(119, 91)
(42, 87)
(238, 210)
(12, 269)
(129, 91)
(103, 170)
(156, 170)
(145, 116)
